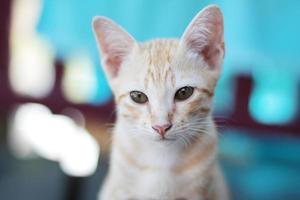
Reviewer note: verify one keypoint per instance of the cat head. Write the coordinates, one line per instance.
(163, 88)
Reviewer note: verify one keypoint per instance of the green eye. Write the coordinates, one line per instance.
(138, 97)
(184, 93)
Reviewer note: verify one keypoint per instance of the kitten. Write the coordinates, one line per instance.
(165, 141)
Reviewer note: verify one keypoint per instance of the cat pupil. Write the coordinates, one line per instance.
(184, 93)
(138, 97)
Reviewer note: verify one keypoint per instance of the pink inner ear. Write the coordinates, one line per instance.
(115, 44)
(205, 36)
(210, 48)
(211, 56)
(208, 44)
(114, 54)
(114, 65)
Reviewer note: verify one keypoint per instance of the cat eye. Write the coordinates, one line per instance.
(138, 97)
(184, 93)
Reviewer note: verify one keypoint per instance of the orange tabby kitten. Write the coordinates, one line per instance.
(165, 141)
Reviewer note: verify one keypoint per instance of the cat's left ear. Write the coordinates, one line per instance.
(114, 43)
(204, 36)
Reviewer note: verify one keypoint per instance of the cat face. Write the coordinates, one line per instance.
(164, 88)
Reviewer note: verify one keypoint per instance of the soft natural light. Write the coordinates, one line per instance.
(274, 97)
(55, 137)
(79, 83)
(31, 57)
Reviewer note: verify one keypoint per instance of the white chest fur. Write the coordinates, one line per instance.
(150, 173)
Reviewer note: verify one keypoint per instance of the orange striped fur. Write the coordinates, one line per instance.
(179, 163)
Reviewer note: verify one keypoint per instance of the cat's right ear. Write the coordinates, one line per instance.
(113, 42)
(204, 37)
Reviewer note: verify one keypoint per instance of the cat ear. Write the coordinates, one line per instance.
(114, 44)
(204, 36)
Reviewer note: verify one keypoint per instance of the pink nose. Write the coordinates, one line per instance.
(162, 129)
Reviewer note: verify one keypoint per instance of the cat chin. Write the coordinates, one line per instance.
(164, 140)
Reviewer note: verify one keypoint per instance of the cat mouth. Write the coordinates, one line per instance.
(164, 139)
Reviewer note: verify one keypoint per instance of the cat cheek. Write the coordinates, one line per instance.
(197, 107)
(131, 112)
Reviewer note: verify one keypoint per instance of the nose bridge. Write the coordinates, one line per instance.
(160, 109)
(160, 114)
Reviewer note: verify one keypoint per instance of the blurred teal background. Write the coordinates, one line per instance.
(262, 39)
(258, 117)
